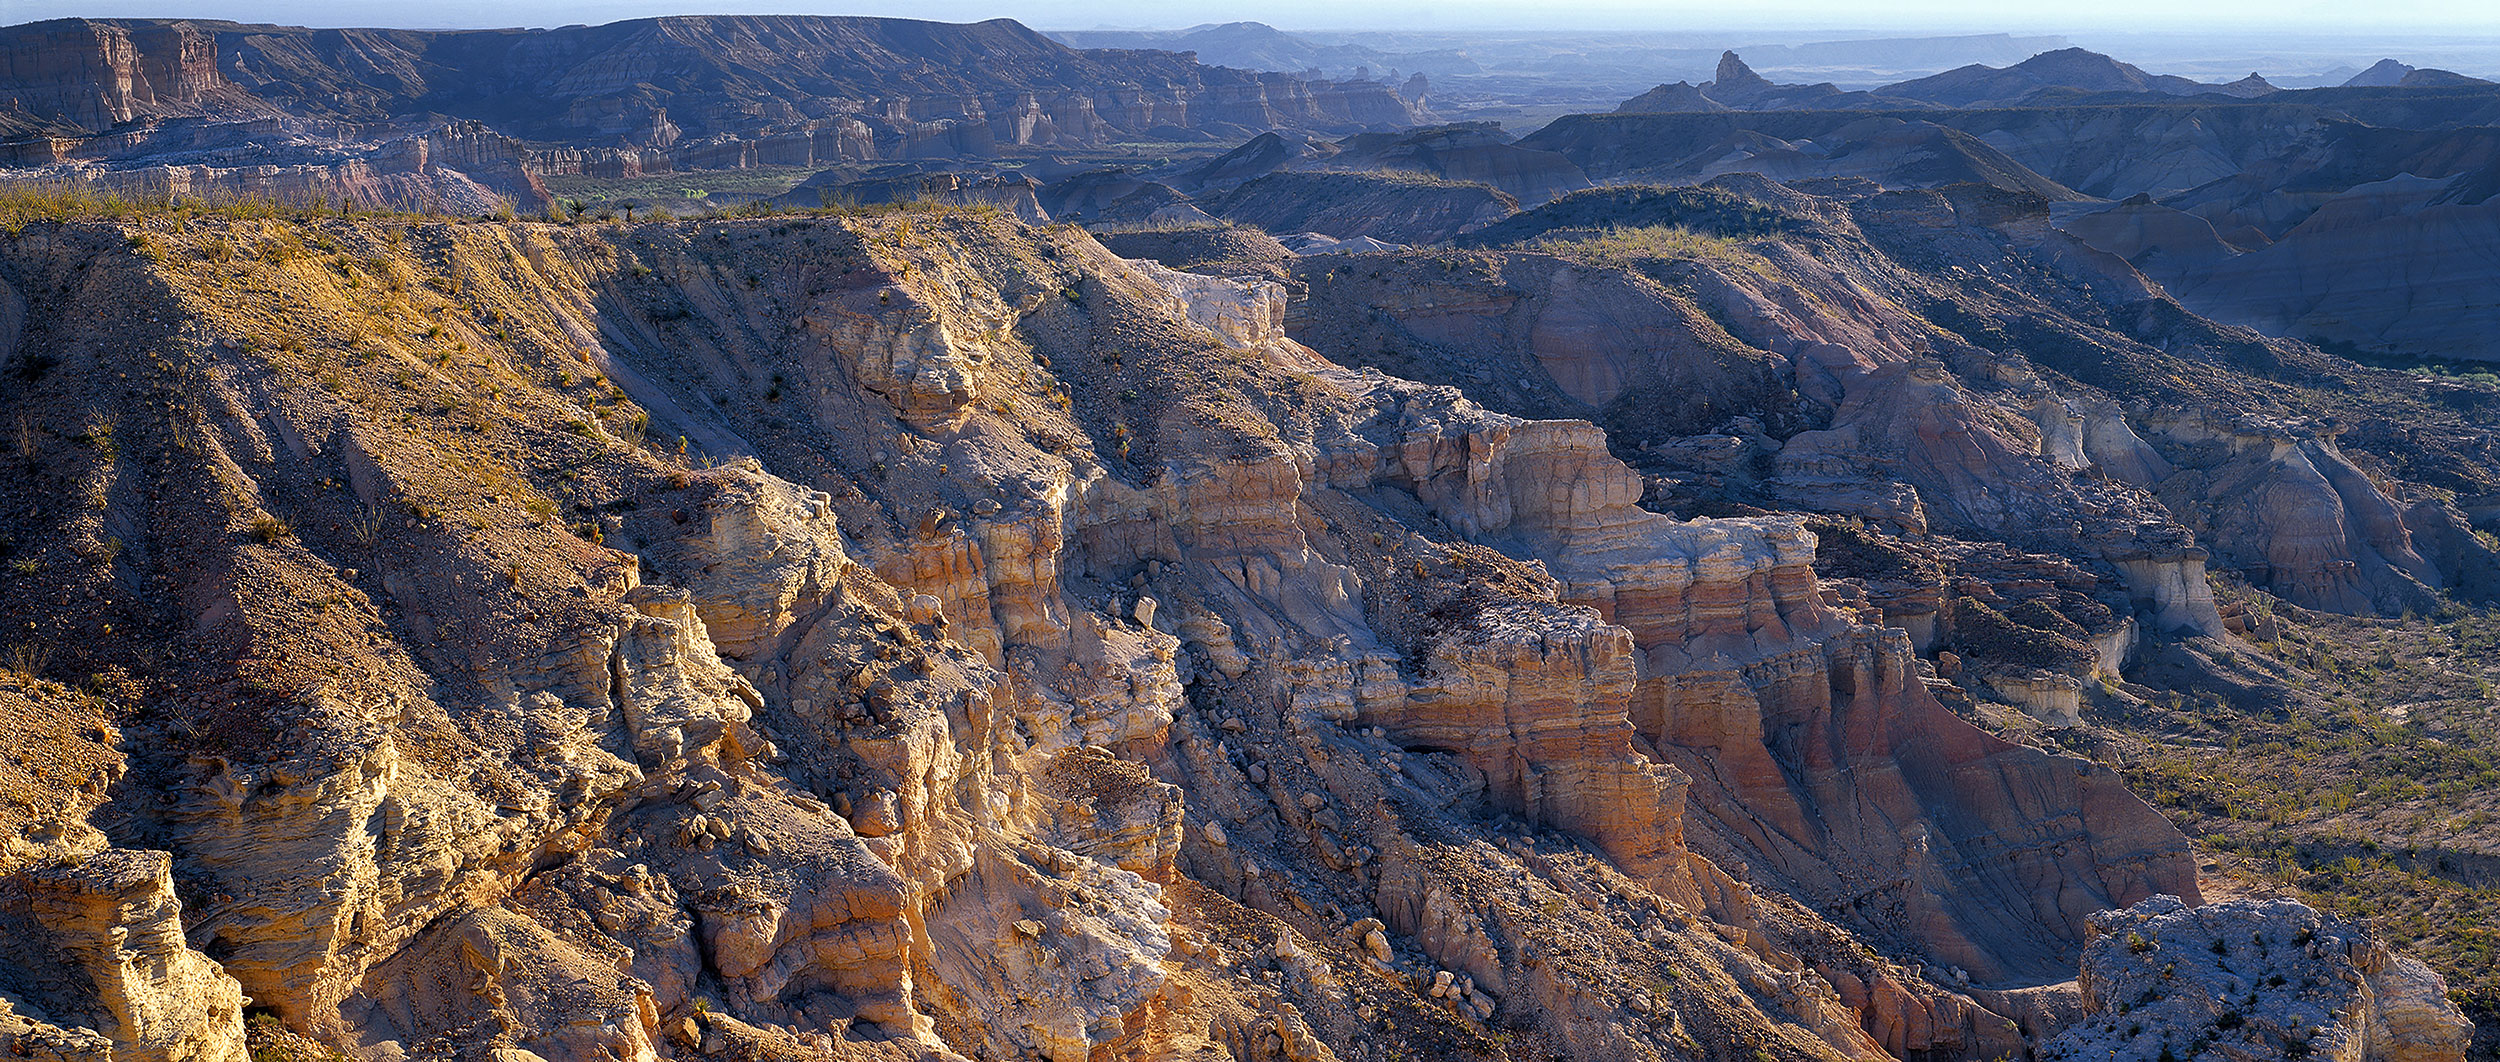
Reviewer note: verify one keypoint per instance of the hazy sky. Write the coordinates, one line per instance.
(2479, 18)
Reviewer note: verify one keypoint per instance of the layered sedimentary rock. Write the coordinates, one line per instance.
(456, 167)
(2298, 515)
(772, 91)
(93, 958)
(923, 635)
(110, 920)
(93, 75)
(1833, 357)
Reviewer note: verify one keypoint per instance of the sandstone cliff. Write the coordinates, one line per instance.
(923, 636)
(93, 958)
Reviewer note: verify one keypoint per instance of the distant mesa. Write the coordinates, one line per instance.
(2431, 78)
(2388, 73)
(2249, 87)
(1681, 97)
(1258, 46)
(2068, 71)
(1735, 86)
(2071, 69)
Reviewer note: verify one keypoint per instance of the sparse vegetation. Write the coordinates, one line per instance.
(1622, 247)
(26, 202)
(707, 190)
(492, 435)
(2375, 795)
(28, 659)
(269, 1040)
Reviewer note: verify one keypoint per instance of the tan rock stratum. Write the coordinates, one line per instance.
(919, 635)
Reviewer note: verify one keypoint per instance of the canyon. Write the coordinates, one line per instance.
(1769, 573)
(915, 632)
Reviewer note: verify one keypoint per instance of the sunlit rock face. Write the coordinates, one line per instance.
(923, 635)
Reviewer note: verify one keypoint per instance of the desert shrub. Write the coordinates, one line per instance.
(1620, 246)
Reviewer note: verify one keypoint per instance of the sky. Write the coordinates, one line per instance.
(2477, 18)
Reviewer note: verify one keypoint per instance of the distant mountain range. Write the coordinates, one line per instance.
(2063, 74)
(1499, 56)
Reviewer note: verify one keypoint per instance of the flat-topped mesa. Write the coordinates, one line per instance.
(99, 74)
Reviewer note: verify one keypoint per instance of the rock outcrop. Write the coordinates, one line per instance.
(94, 962)
(106, 933)
(1041, 654)
(2253, 979)
(1805, 392)
(918, 634)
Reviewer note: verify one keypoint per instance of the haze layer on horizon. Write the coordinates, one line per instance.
(2470, 18)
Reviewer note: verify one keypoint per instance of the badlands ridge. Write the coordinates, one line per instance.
(917, 634)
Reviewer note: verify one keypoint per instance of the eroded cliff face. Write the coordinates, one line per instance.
(926, 636)
(95, 75)
(374, 117)
(1923, 361)
(93, 959)
(2353, 233)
